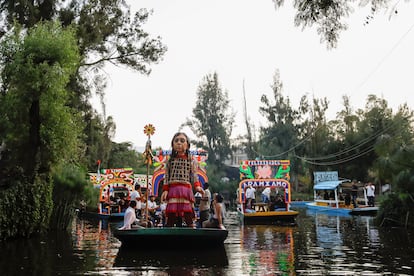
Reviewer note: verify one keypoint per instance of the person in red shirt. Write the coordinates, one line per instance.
(180, 175)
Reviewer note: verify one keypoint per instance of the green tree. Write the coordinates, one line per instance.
(106, 33)
(279, 136)
(37, 66)
(99, 140)
(123, 155)
(212, 120)
(391, 147)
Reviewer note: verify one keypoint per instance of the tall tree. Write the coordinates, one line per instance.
(104, 29)
(279, 136)
(39, 131)
(213, 119)
(106, 34)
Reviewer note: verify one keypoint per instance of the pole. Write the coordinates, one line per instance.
(148, 130)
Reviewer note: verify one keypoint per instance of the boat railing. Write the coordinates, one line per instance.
(329, 202)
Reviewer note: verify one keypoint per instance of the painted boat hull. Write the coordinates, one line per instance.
(362, 210)
(269, 217)
(175, 237)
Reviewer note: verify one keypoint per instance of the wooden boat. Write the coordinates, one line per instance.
(114, 185)
(260, 174)
(328, 182)
(174, 237)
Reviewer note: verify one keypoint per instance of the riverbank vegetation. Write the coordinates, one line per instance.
(52, 55)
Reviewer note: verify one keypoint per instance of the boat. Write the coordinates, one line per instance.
(260, 174)
(335, 203)
(115, 187)
(172, 237)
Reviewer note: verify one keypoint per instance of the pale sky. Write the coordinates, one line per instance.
(249, 40)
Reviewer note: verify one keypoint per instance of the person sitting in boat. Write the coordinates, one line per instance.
(279, 203)
(163, 207)
(217, 218)
(130, 216)
(180, 174)
(123, 203)
(205, 204)
(152, 209)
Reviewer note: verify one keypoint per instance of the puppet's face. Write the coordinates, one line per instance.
(180, 143)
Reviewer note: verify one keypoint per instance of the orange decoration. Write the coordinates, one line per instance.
(149, 130)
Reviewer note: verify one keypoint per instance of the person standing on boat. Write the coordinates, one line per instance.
(354, 193)
(205, 204)
(266, 195)
(370, 194)
(250, 197)
(136, 196)
(180, 174)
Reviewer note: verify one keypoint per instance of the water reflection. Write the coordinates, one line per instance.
(96, 235)
(318, 245)
(346, 245)
(270, 250)
(151, 257)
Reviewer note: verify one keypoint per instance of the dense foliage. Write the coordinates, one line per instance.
(369, 144)
(48, 74)
(37, 67)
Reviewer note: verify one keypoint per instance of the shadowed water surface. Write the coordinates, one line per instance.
(318, 245)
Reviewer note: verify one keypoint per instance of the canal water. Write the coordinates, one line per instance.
(318, 245)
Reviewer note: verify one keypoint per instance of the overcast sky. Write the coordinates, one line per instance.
(249, 40)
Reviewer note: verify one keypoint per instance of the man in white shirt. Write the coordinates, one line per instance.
(266, 195)
(250, 197)
(129, 217)
(205, 204)
(152, 207)
(136, 196)
(370, 194)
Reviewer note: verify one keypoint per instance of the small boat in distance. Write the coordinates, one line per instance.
(262, 174)
(332, 195)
